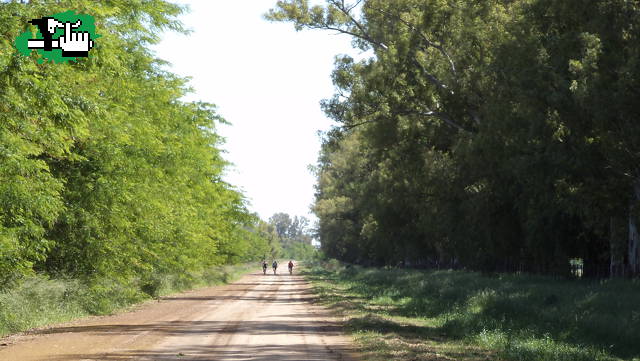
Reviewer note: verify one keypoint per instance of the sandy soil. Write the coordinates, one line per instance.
(257, 318)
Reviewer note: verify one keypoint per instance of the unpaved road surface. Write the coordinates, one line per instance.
(256, 318)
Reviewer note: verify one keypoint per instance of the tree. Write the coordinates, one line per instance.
(493, 134)
(293, 235)
(104, 170)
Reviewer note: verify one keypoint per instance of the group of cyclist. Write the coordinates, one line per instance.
(274, 265)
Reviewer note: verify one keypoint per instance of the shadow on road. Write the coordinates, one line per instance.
(263, 318)
(176, 328)
(195, 352)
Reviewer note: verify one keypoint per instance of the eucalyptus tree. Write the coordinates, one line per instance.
(497, 133)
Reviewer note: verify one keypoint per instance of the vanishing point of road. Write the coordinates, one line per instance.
(259, 317)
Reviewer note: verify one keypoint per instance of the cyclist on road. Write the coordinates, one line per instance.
(264, 267)
(290, 267)
(275, 266)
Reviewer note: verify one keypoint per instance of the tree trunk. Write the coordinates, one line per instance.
(634, 237)
(612, 256)
(618, 244)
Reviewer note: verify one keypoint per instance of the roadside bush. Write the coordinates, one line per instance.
(39, 301)
(333, 265)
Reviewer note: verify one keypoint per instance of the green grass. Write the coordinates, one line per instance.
(38, 301)
(442, 315)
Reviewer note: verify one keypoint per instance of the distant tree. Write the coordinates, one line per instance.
(294, 234)
(282, 223)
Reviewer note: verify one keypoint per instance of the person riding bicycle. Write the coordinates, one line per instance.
(264, 266)
(275, 266)
(290, 266)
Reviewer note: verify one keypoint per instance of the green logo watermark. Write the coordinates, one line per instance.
(60, 37)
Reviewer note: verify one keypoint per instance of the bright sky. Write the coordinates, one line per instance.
(267, 80)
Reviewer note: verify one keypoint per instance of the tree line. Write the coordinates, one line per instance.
(497, 135)
(105, 172)
(295, 236)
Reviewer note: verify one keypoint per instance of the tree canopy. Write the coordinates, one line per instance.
(495, 135)
(104, 169)
(295, 236)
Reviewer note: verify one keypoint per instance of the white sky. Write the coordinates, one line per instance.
(267, 80)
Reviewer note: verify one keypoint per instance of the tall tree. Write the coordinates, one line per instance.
(104, 170)
(493, 134)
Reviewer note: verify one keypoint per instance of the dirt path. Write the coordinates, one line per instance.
(257, 318)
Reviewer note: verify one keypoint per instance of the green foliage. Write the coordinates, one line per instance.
(39, 301)
(289, 229)
(273, 248)
(293, 236)
(519, 317)
(105, 173)
(496, 135)
(301, 251)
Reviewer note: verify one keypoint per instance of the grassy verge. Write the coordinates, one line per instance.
(454, 315)
(39, 301)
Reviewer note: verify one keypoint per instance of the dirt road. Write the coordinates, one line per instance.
(257, 318)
